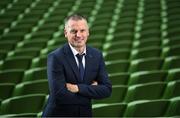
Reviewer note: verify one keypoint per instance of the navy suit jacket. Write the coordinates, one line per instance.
(62, 69)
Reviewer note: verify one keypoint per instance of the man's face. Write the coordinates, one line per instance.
(77, 32)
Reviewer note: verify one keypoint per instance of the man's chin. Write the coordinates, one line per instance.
(79, 45)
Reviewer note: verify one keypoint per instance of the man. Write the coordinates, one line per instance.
(76, 73)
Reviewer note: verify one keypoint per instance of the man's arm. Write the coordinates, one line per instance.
(56, 78)
(74, 87)
(98, 90)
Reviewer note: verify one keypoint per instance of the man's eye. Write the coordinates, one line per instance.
(82, 30)
(73, 31)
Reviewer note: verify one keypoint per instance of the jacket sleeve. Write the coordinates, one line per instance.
(104, 87)
(56, 78)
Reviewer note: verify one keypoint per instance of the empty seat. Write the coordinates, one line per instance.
(25, 104)
(97, 45)
(6, 90)
(123, 35)
(114, 45)
(11, 76)
(31, 87)
(117, 55)
(171, 63)
(34, 44)
(17, 63)
(147, 43)
(172, 42)
(148, 91)
(174, 107)
(109, 110)
(7, 45)
(39, 62)
(119, 78)
(146, 53)
(173, 74)
(3, 54)
(147, 108)
(118, 94)
(35, 74)
(32, 52)
(172, 89)
(147, 76)
(171, 51)
(151, 33)
(117, 66)
(148, 64)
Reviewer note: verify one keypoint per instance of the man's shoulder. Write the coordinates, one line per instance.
(58, 51)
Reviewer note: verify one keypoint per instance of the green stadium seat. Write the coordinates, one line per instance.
(147, 43)
(11, 76)
(35, 74)
(33, 44)
(109, 110)
(114, 45)
(118, 94)
(148, 64)
(171, 63)
(6, 45)
(147, 108)
(6, 90)
(149, 52)
(174, 107)
(96, 38)
(14, 37)
(124, 27)
(119, 78)
(97, 45)
(33, 52)
(117, 54)
(123, 35)
(172, 89)
(117, 66)
(17, 63)
(148, 31)
(40, 62)
(31, 87)
(46, 51)
(25, 104)
(173, 74)
(171, 42)
(3, 54)
(171, 51)
(147, 77)
(148, 91)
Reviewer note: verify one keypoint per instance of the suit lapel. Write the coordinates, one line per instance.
(88, 62)
(71, 60)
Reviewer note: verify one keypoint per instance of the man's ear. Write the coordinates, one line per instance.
(88, 33)
(65, 33)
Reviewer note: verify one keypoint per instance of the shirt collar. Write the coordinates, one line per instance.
(75, 52)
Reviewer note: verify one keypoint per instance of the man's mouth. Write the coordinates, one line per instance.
(78, 40)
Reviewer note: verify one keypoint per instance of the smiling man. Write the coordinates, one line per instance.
(76, 73)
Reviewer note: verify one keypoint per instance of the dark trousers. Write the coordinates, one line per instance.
(68, 111)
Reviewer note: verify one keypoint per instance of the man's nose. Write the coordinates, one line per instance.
(78, 34)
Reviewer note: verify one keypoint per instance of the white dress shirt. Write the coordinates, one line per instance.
(75, 52)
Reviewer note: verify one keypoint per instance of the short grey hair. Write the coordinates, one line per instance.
(75, 17)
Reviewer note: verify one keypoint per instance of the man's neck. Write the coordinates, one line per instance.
(80, 50)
